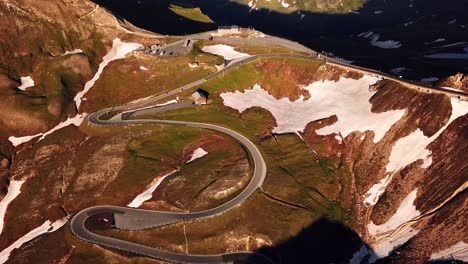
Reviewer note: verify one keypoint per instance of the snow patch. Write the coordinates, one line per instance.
(346, 98)
(225, 51)
(26, 82)
(46, 228)
(459, 251)
(456, 56)
(374, 41)
(414, 146)
(343, 60)
(392, 234)
(119, 51)
(452, 44)
(198, 153)
(384, 247)
(435, 41)
(373, 194)
(338, 138)
(429, 79)
(284, 4)
(76, 51)
(453, 89)
(148, 193)
(398, 70)
(14, 189)
(77, 120)
(405, 212)
(408, 23)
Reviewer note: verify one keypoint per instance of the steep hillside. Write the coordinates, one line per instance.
(389, 163)
(359, 169)
(48, 52)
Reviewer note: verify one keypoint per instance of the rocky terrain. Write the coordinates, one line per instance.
(360, 170)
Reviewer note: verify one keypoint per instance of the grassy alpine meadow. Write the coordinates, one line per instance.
(192, 13)
(301, 187)
(140, 76)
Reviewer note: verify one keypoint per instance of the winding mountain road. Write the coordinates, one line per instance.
(136, 219)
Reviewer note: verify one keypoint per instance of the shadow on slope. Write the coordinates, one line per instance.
(412, 25)
(325, 241)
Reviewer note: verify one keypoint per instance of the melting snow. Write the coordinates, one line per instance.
(457, 56)
(385, 241)
(348, 99)
(387, 44)
(414, 146)
(453, 89)
(76, 51)
(14, 189)
(435, 41)
(374, 193)
(459, 251)
(337, 137)
(26, 82)
(198, 153)
(429, 79)
(225, 51)
(408, 23)
(119, 51)
(383, 247)
(284, 4)
(398, 70)
(148, 193)
(453, 44)
(404, 213)
(343, 60)
(45, 228)
(70, 121)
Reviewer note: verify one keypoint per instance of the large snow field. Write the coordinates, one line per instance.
(414, 146)
(227, 52)
(45, 228)
(14, 189)
(348, 99)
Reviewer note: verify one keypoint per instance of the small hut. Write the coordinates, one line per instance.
(200, 97)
